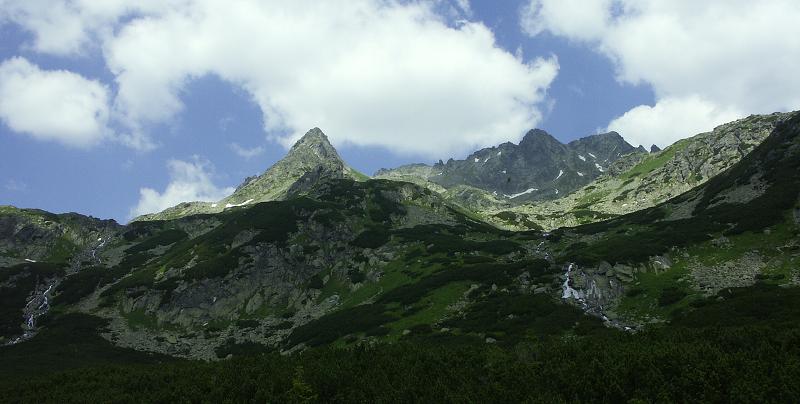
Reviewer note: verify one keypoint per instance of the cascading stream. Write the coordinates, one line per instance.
(39, 303)
(568, 291)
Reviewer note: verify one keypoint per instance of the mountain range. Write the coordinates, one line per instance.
(533, 249)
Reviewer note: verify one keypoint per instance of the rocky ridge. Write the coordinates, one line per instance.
(638, 180)
(311, 156)
(538, 168)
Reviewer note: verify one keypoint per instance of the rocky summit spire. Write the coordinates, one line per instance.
(316, 143)
(313, 154)
(311, 159)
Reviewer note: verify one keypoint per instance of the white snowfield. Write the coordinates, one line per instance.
(236, 205)
(527, 191)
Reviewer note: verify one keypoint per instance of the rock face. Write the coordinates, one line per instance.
(310, 159)
(538, 168)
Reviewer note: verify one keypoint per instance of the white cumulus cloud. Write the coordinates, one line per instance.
(579, 19)
(670, 119)
(189, 181)
(53, 104)
(69, 27)
(245, 152)
(368, 72)
(728, 58)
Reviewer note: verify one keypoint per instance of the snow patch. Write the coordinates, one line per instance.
(527, 191)
(487, 159)
(504, 171)
(556, 192)
(593, 156)
(29, 260)
(236, 205)
(477, 159)
(599, 167)
(580, 174)
(581, 157)
(560, 173)
(213, 205)
(499, 153)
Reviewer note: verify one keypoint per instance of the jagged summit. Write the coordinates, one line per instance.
(539, 137)
(539, 167)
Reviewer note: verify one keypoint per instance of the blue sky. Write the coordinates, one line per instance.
(165, 112)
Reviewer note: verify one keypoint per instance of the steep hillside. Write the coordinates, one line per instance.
(387, 255)
(638, 180)
(37, 250)
(740, 228)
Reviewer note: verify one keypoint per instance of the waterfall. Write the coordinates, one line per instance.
(568, 291)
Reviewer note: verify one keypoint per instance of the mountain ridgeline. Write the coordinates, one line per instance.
(650, 276)
(538, 168)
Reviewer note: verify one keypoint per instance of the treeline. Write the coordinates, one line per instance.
(742, 364)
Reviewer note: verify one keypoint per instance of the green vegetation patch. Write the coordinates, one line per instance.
(67, 341)
(452, 239)
(508, 317)
(372, 238)
(81, 284)
(333, 326)
(162, 238)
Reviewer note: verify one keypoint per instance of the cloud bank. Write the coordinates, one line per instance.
(53, 104)
(397, 75)
(189, 181)
(707, 61)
